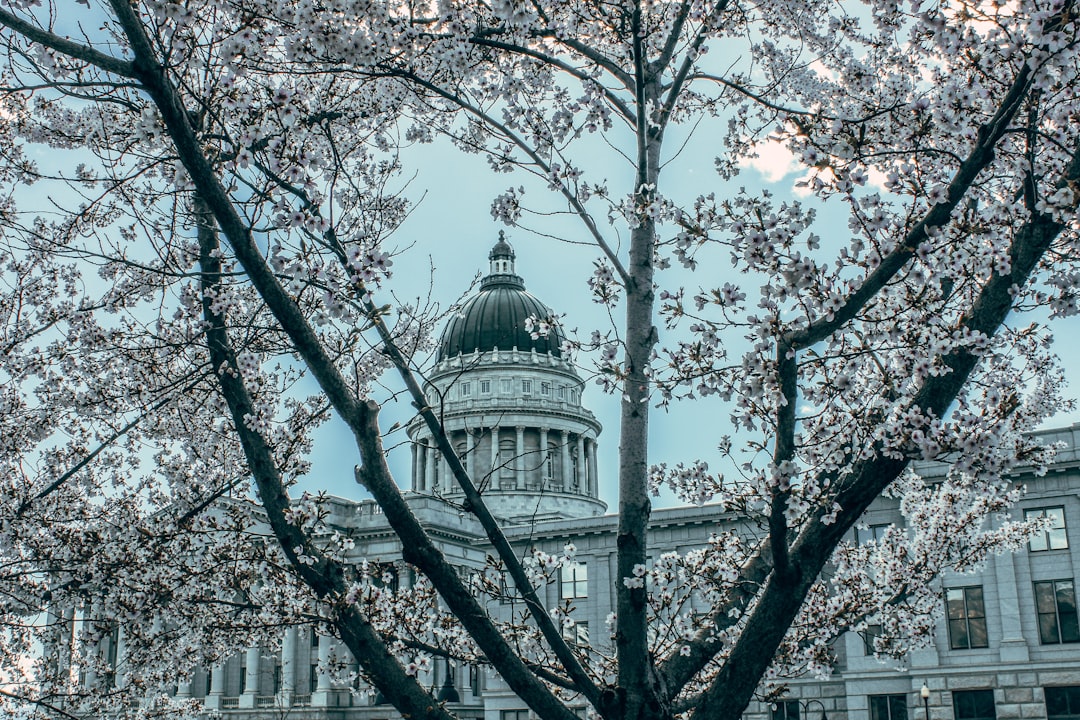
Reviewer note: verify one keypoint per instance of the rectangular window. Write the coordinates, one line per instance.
(562, 392)
(526, 387)
(578, 633)
(313, 678)
(506, 386)
(1063, 703)
(485, 387)
(545, 388)
(1053, 537)
(1055, 603)
(243, 678)
(575, 581)
(974, 705)
(785, 710)
(871, 633)
(967, 618)
(277, 676)
(475, 686)
(888, 707)
(514, 715)
(876, 533)
(466, 389)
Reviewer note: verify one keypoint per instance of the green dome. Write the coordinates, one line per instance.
(495, 317)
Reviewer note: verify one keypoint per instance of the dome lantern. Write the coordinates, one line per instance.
(502, 257)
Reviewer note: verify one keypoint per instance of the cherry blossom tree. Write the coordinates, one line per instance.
(223, 239)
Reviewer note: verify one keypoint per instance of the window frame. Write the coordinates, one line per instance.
(574, 581)
(969, 697)
(1071, 696)
(968, 618)
(526, 386)
(577, 634)
(485, 387)
(785, 710)
(1060, 634)
(875, 532)
(895, 706)
(1047, 537)
(872, 631)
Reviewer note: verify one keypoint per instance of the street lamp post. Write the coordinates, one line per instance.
(925, 695)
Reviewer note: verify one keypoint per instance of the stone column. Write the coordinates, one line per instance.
(581, 479)
(495, 469)
(592, 481)
(472, 444)
(90, 651)
(567, 466)
(120, 665)
(66, 634)
(519, 458)
(544, 459)
(288, 666)
(323, 691)
(217, 686)
(429, 470)
(251, 678)
(1013, 647)
(446, 479)
(183, 689)
(415, 478)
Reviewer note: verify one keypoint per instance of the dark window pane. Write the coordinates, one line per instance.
(975, 607)
(1048, 629)
(1044, 597)
(1057, 702)
(955, 604)
(958, 637)
(977, 634)
(974, 705)
(1070, 629)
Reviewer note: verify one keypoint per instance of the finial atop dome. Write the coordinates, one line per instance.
(502, 257)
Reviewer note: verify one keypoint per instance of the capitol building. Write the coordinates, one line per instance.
(1007, 643)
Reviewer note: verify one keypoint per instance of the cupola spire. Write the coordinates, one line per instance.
(502, 257)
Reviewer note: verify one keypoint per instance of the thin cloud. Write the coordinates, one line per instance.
(773, 161)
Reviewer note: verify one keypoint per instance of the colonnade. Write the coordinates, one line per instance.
(571, 468)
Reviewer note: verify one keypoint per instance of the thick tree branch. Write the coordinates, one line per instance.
(938, 215)
(783, 457)
(64, 46)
